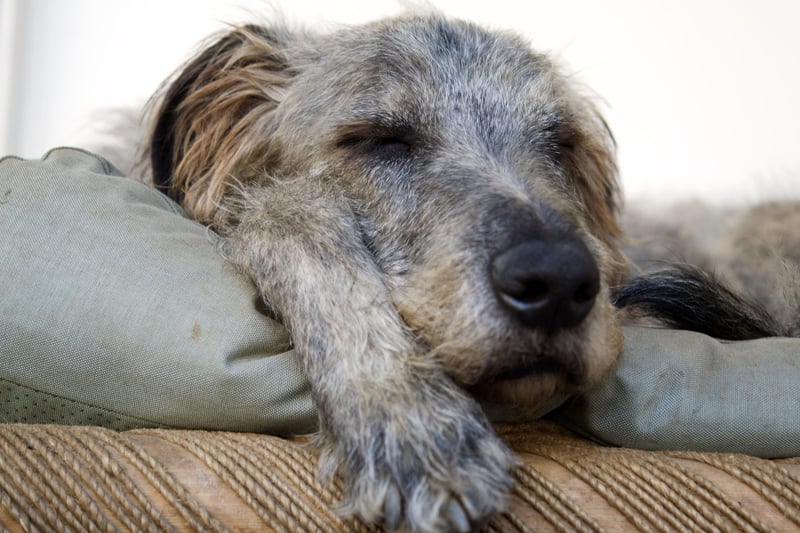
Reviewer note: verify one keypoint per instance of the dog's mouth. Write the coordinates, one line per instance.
(530, 384)
(569, 367)
(536, 368)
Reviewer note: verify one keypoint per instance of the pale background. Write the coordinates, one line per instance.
(703, 95)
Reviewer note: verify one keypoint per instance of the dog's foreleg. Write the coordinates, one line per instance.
(413, 449)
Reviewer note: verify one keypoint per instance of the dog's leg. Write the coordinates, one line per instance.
(413, 448)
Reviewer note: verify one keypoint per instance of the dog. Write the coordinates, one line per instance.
(432, 209)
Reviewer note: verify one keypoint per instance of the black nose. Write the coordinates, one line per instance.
(548, 285)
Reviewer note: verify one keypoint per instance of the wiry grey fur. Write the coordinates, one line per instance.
(368, 180)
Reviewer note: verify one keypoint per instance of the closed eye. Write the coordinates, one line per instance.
(380, 139)
(566, 138)
(558, 140)
(388, 148)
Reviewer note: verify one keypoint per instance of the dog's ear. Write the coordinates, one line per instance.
(589, 158)
(214, 117)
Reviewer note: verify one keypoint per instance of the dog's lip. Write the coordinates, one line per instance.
(543, 366)
(572, 368)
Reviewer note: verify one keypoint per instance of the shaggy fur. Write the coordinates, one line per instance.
(387, 187)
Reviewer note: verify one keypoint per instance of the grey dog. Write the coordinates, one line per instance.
(431, 210)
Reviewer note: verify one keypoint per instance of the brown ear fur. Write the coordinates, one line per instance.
(591, 162)
(214, 116)
(589, 159)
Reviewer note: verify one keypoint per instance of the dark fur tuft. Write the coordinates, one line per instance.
(686, 297)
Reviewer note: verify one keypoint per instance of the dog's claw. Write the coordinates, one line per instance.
(458, 518)
(470, 503)
(392, 509)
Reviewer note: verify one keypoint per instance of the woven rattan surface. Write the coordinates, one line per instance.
(58, 478)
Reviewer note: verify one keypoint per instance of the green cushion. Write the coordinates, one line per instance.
(119, 311)
(116, 310)
(686, 391)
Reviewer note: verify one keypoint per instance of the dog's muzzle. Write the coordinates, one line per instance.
(548, 285)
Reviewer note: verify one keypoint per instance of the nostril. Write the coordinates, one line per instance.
(525, 292)
(586, 292)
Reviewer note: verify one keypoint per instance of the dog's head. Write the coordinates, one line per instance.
(483, 182)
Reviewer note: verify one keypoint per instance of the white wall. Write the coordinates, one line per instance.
(702, 95)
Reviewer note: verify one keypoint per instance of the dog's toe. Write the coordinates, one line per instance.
(426, 502)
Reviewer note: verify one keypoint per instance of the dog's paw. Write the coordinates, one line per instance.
(446, 471)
